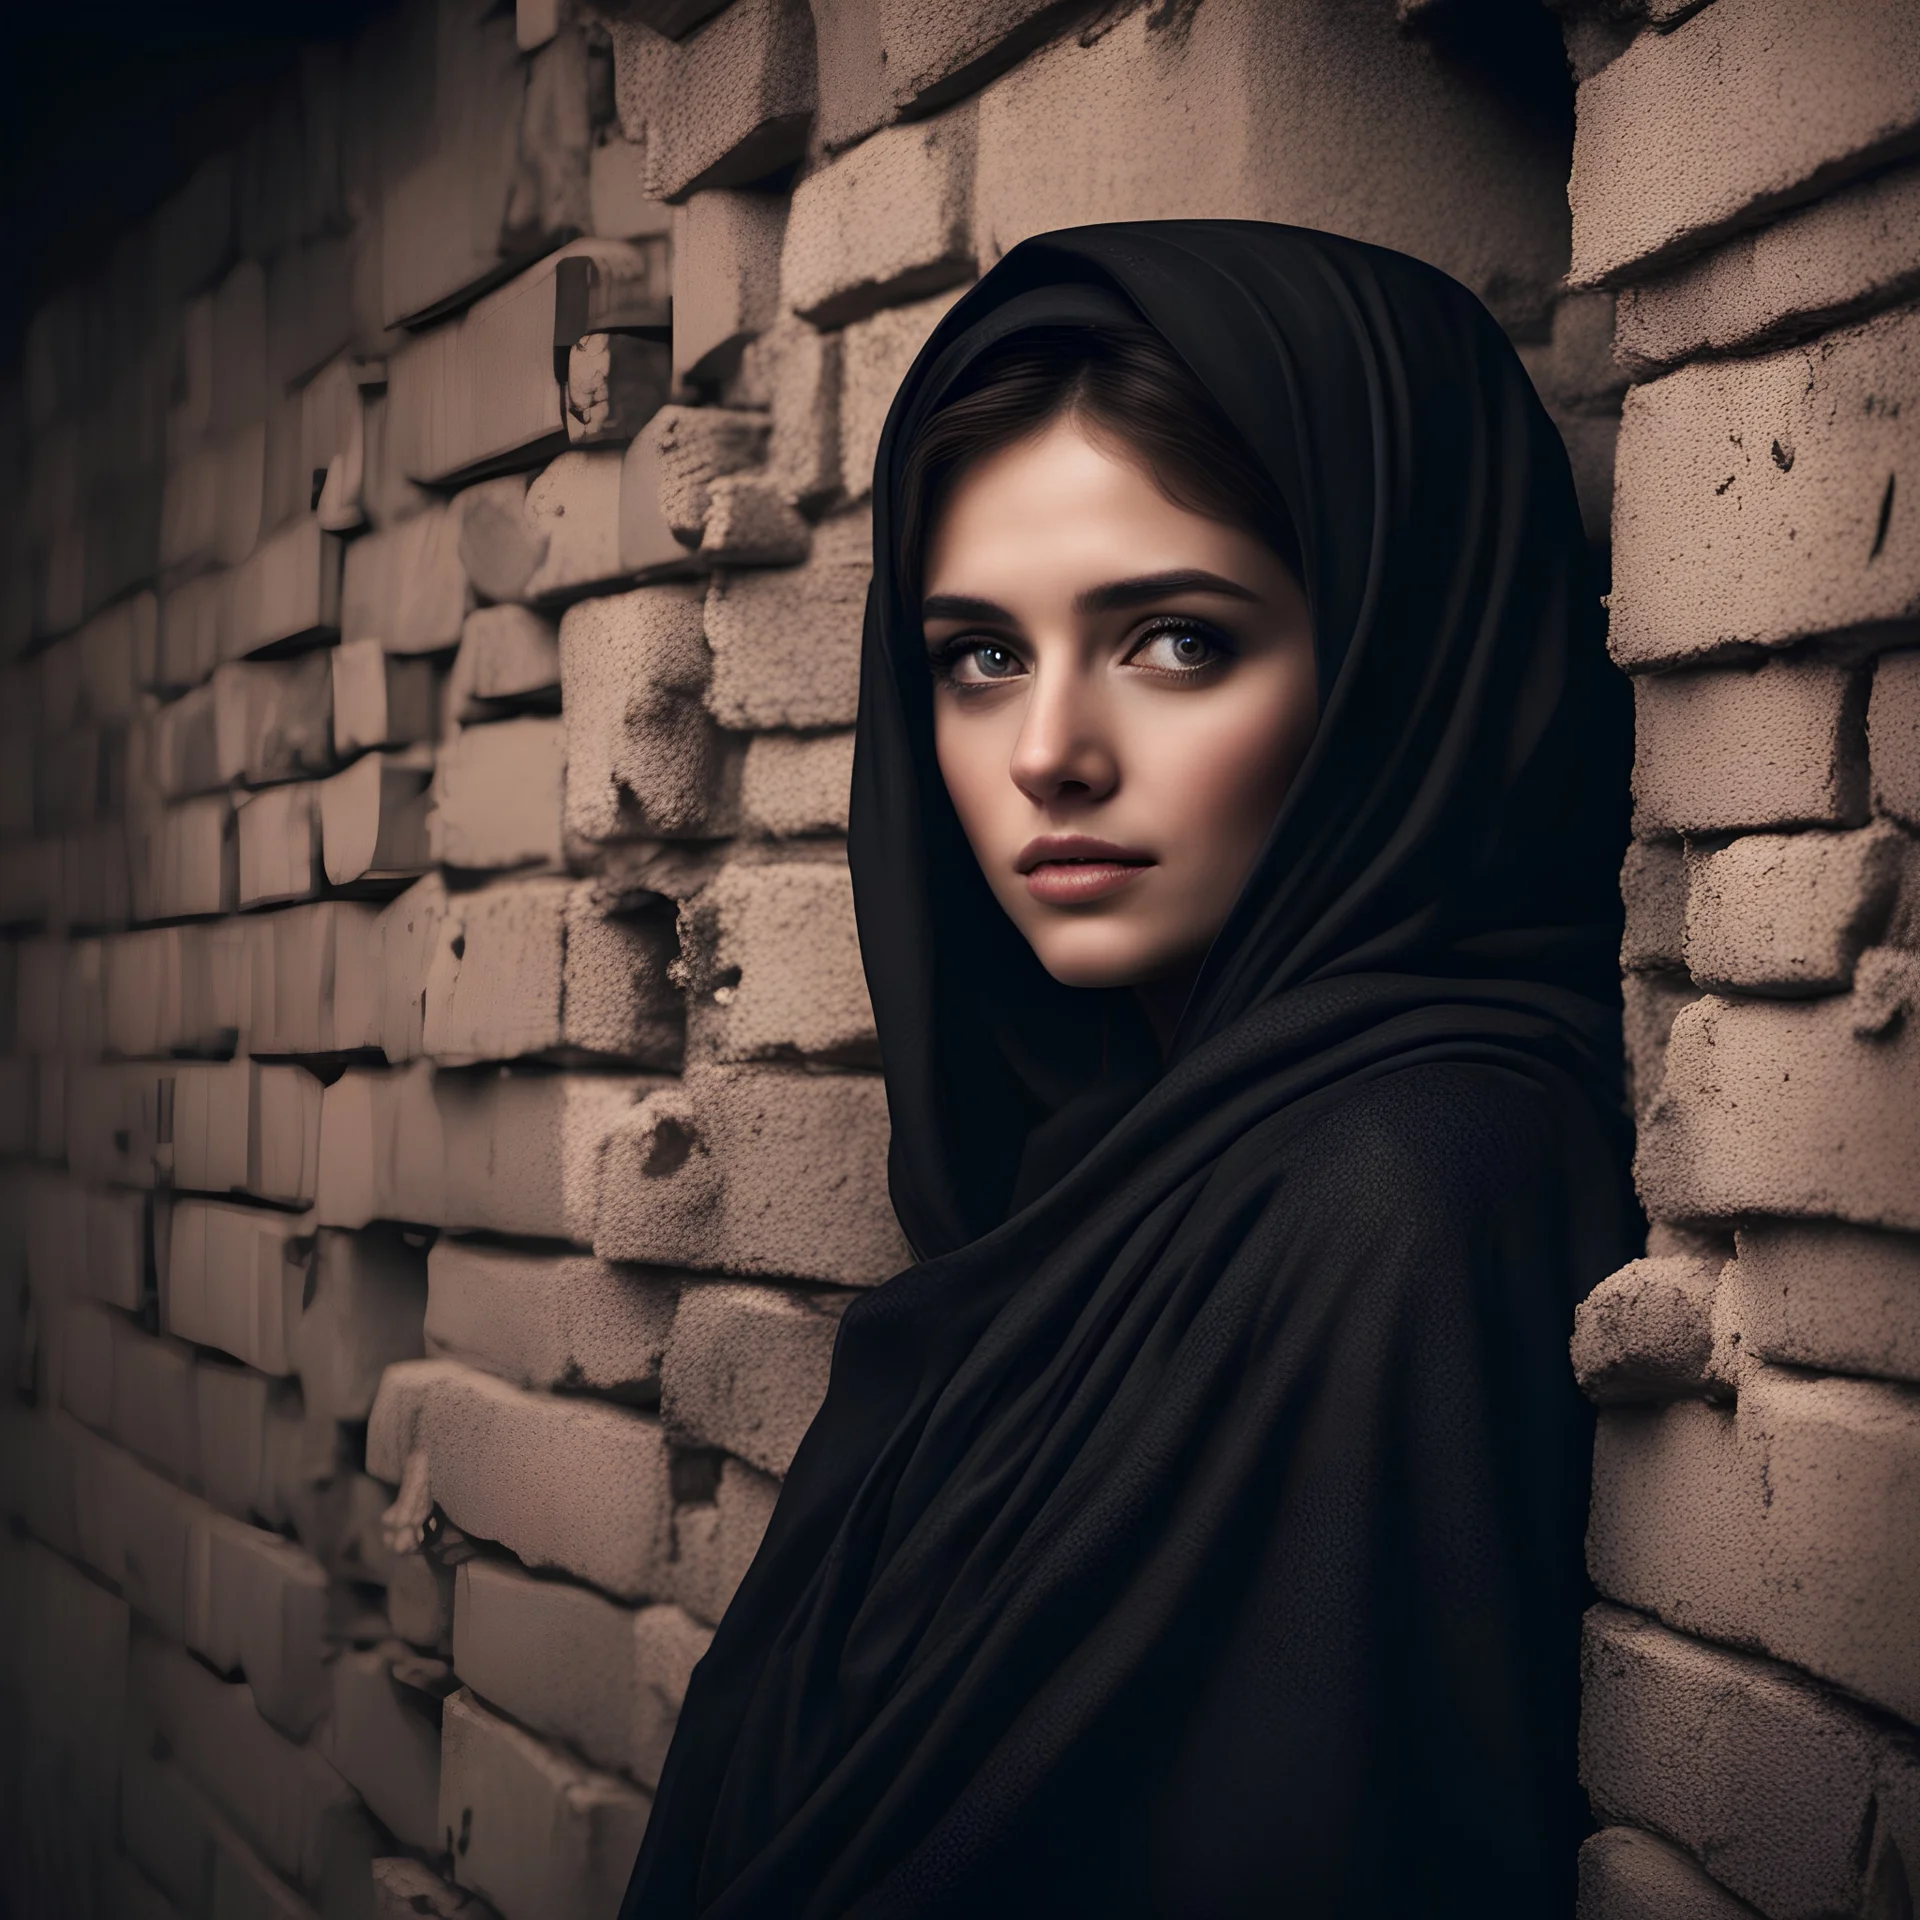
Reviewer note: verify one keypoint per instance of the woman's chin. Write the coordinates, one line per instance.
(1076, 964)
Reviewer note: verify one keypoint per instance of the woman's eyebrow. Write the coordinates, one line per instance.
(963, 606)
(1117, 595)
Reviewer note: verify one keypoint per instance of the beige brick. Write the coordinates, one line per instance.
(940, 51)
(285, 1799)
(235, 1278)
(774, 965)
(239, 348)
(309, 309)
(1629, 1875)
(875, 356)
(746, 1369)
(405, 587)
(252, 1440)
(549, 1320)
(403, 1888)
(278, 836)
(184, 750)
(1653, 883)
(376, 819)
(509, 658)
(381, 1154)
(1852, 249)
(723, 106)
(544, 1836)
(1783, 1108)
(643, 756)
(786, 646)
(793, 785)
(1735, 113)
(363, 1313)
(314, 979)
(380, 699)
(185, 860)
(273, 719)
(1770, 1782)
(615, 383)
(497, 545)
(153, 1412)
(93, 884)
(190, 630)
(119, 656)
(247, 1128)
(479, 391)
(538, 968)
(1724, 749)
(287, 591)
(259, 1610)
(622, 209)
(1646, 1332)
(165, 1825)
(726, 246)
(751, 523)
(1790, 913)
(1756, 501)
(524, 1151)
(420, 1601)
(112, 1124)
(137, 1530)
(888, 222)
(714, 1540)
(696, 446)
(382, 1738)
(333, 445)
(1785, 1525)
(408, 939)
(1893, 735)
(573, 513)
(118, 1229)
(799, 370)
(498, 795)
(814, 1207)
(1819, 1294)
(571, 1666)
(561, 1482)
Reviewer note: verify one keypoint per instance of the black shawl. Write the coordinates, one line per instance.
(1196, 1529)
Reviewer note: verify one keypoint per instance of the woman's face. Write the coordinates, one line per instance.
(1124, 691)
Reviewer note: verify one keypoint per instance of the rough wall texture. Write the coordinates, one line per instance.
(1753, 1677)
(438, 1126)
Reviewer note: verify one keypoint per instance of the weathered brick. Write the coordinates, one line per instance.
(314, 982)
(573, 515)
(524, 1150)
(1651, 1003)
(815, 1205)
(247, 1128)
(794, 784)
(383, 1739)
(509, 659)
(190, 630)
(403, 1888)
(1785, 1525)
(1727, 749)
(643, 755)
(1736, 112)
(185, 860)
(333, 446)
(566, 1663)
(938, 52)
(376, 819)
(405, 587)
(1801, 1109)
(694, 447)
(1893, 735)
(381, 1155)
(1770, 1782)
(253, 1440)
(234, 1281)
(119, 656)
(420, 1601)
(153, 1399)
(1818, 1294)
(874, 357)
(184, 752)
(615, 383)
(1856, 248)
(361, 1313)
(746, 1369)
(723, 106)
(726, 249)
(112, 1124)
(286, 591)
(561, 1482)
(714, 1540)
(258, 1609)
(409, 938)
(542, 1835)
(284, 1798)
(277, 833)
(542, 968)
(1629, 1875)
(1646, 1332)
(1756, 502)
(1790, 913)
(137, 1530)
(774, 965)
(380, 699)
(796, 370)
(890, 221)
(786, 646)
(497, 546)
(750, 523)
(549, 1320)
(273, 719)
(165, 1825)
(622, 209)
(499, 795)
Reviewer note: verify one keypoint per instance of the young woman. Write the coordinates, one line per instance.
(1240, 788)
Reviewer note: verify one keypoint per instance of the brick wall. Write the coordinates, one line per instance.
(438, 1126)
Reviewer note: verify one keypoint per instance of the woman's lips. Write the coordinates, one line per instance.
(1069, 883)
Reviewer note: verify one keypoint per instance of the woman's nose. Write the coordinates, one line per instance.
(1064, 745)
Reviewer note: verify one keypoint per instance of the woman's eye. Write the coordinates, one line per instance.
(1178, 650)
(983, 660)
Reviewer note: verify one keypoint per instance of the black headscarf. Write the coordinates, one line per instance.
(1196, 1530)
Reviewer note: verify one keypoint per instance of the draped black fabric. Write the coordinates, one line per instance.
(1196, 1529)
